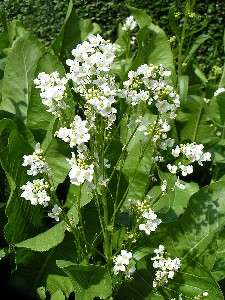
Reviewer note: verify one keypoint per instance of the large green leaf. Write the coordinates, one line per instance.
(195, 232)
(218, 270)
(191, 281)
(39, 269)
(18, 77)
(193, 123)
(137, 169)
(173, 203)
(153, 48)
(24, 219)
(45, 240)
(58, 295)
(70, 34)
(140, 16)
(137, 164)
(88, 281)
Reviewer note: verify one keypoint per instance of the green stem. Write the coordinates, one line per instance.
(81, 222)
(181, 43)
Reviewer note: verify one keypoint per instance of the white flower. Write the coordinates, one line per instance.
(219, 91)
(77, 134)
(176, 151)
(56, 210)
(126, 256)
(163, 106)
(149, 226)
(151, 222)
(193, 152)
(164, 185)
(172, 169)
(129, 24)
(179, 185)
(185, 170)
(121, 263)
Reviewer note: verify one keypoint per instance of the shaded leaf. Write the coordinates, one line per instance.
(88, 281)
(24, 219)
(39, 269)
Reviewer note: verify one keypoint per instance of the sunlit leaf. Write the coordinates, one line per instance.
(18, 77)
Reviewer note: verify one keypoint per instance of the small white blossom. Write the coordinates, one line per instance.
(186, 170)
(129, 24)
(164, 185)
(56, 210)
(121, 263)
(219, 91)
(172, 169)
(179, 185)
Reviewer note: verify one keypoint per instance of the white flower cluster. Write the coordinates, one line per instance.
(184, 169)
(129, 24)
(122, 262)
(146, 217)
(80, 170)
(193, 152)
(52, 91)
(158, 132)
(219, 91)
(150, 222)
(36, 161)
(148, 85)
(165, 265)
(77, 134)
(36, 192)
(90, 73)
(54, 214)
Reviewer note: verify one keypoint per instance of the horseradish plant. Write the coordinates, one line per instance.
(143, 107)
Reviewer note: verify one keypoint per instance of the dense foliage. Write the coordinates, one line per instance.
(45, 18)
(112, 162)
